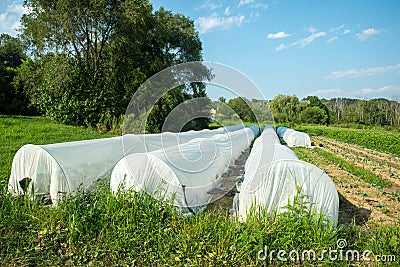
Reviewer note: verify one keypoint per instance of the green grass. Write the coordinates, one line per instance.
(101, 229)
(378, 139)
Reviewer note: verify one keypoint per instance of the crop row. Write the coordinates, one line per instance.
(385, 141)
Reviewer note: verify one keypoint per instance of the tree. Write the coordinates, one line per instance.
(370, 112)
(314, 115)
(285, 108)
(242, 108)
(222, 99)
(107, 49)
(11, 51)
(314, 101)
(12, 100)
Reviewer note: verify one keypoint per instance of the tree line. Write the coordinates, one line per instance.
(379, 111)
(87, 58)
(289, 109)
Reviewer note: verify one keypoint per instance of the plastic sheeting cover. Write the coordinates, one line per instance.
(266, 148)
(184, 173)
(275, 185)
(273, 175)
(294, 138)
(59, 169)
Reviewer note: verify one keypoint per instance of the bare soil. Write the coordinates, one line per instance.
(370, 205)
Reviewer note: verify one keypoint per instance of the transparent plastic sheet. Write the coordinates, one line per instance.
(273, 175)
(183, 173)
(274, 185)
(294, 138)
(63, 168)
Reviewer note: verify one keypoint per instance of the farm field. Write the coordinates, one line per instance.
(377, 139)
(367, 179)
(104, 230)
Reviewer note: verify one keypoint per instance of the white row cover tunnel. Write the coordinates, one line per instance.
(59, 169)
(294, 138)
(274, 176)
(184, 173)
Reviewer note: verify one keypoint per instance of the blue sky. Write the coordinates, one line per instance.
(324, 48)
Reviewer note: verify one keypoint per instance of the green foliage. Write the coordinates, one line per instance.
(285, 108)
(11, 51)
(314, 101)
(243, 109)
(314, 115)
(379, 139)
(288, 109)
(12, 100)
(91, 56)
(366, 112)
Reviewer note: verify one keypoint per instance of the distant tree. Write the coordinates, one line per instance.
(243, 109)
(262, 112)
(222, 99)
(370, 112)
(12, 51)
(12, 54)
(314, 115)
(285, 108)
(314, 101)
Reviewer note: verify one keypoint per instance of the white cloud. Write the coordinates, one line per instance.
(327, 91)
(347, 31)
(366, 91)
(280, 47)
(259, 5)
(334, 38)
(368, 33)
(278, 35)
(309, 39)
(315, 34)
(9, 23)
(245, 2)
(210, 5)
(10, 19)
(206, 24)
(386, 88)
(362, 72)
(337, 28)
(227, 11)
(16, 8)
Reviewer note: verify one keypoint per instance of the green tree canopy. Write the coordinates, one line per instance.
(104, 50)
(314, 115)
(12, 54)
(285, 108)
(243, 109)
(12, 51)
